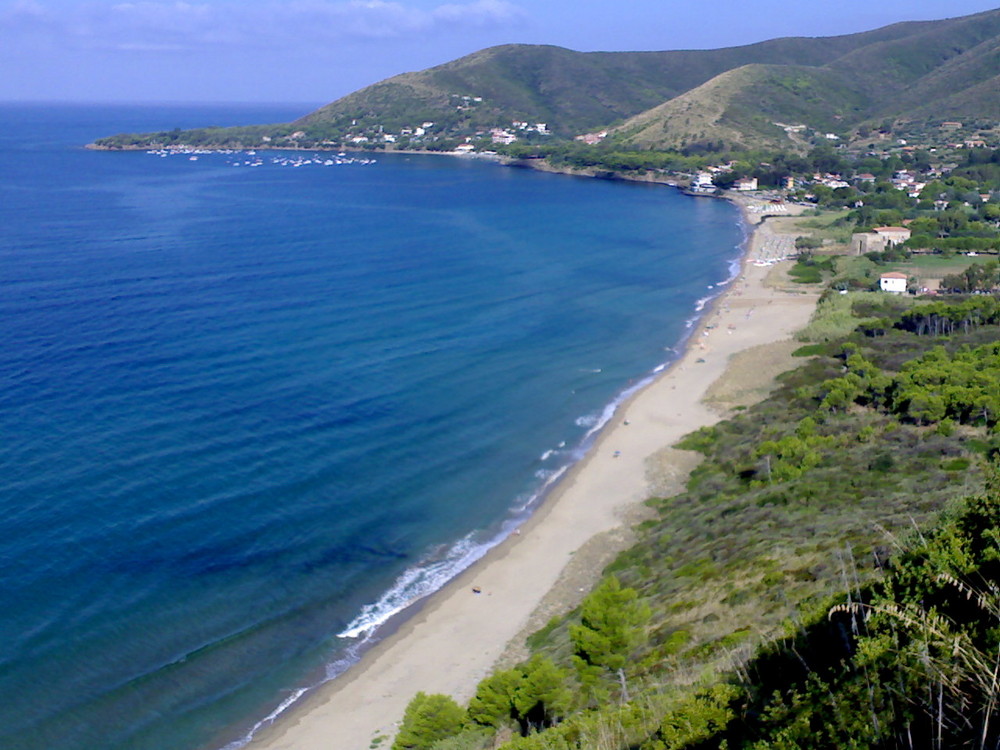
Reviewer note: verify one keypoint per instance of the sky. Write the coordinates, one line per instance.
(315, 51)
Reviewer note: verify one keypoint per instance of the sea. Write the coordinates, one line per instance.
(255, 407)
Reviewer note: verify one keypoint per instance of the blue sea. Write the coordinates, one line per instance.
(253, 405)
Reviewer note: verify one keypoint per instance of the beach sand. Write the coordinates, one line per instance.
(458, 635)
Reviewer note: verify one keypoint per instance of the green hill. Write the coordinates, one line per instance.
(928, 69)
(743, 106)
(941, 70)
(570, 91)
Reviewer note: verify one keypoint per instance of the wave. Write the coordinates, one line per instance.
(441, 566)
(699, 308)
(529, 501)
(267, 720)
(333, 670)
(418, 582)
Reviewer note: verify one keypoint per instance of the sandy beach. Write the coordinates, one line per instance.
(458, 635)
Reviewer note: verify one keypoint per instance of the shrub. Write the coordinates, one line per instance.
(428, 719)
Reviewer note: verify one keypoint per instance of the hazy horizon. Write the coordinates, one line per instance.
(315, 51)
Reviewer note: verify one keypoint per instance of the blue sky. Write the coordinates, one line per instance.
(314, 51)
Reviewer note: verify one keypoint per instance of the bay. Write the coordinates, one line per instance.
(247, 412)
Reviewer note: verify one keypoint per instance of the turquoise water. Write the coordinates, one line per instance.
(249, 412)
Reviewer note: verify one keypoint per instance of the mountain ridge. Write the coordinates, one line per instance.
(907, 69)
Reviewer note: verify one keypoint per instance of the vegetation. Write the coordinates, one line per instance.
(612, 625)
(534, 696)
(975, 277)
(809, 269)
(428, 718)
(909, 661)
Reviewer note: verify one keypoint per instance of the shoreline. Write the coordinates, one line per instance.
(454, 638)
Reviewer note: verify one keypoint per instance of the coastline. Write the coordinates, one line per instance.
(457, 636)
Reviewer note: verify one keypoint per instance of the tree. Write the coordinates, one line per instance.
(493, 703)
(699, 717)
(543, 697)
(534, 694)
(428, 719)
(612, 625)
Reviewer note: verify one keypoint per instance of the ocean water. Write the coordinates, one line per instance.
(250, 406)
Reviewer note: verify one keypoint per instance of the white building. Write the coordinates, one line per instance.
(498, 135)
(702, 183)
(893, 281)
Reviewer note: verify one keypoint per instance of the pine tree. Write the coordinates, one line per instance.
(428, 718)
(612, 626)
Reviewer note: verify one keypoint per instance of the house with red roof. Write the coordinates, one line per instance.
(893, 282)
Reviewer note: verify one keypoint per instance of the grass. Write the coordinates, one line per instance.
(812, 269)
(805, 274)
(857, 271)
(834, 317)
(811, 350)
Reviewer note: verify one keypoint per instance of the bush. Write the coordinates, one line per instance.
(428, 719)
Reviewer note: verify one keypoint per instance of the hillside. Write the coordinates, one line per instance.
(742, 106)
(944, 70)
(965, 85)
(571, 91)
(932, 69)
